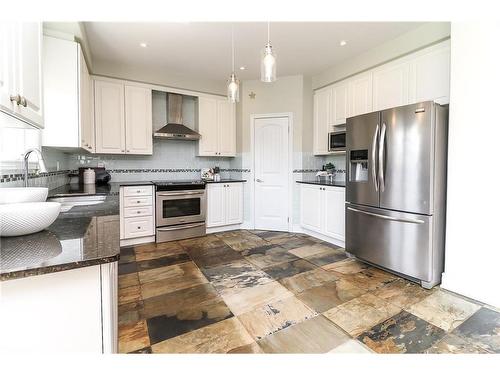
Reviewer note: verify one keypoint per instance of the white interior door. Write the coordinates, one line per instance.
(271, 173)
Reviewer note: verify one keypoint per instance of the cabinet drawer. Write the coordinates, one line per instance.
(138, 211)
(133, 191)
(138, 227)
(137, 201)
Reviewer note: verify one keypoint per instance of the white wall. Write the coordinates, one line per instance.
(287, 94)
(423, 36)
(472, 245)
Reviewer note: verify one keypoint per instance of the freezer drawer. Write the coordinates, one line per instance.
(398, 241)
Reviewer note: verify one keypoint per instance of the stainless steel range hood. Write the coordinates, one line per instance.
(175, 129)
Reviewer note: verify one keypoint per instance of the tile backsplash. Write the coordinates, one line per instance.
(171, 159)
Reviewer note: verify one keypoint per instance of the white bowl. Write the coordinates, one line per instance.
(23, 194)
(18, 219)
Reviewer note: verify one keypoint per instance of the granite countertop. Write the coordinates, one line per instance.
(81, 237)
(323, 182)
(112, 188)
(224, 180)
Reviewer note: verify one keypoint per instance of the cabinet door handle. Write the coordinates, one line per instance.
(23, 102)
(138, 201)
(138, 212)
(138, 227)
(16, 99)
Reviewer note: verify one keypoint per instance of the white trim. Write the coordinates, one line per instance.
(155, 87)
(251, 156)
(223, 228)
(335, 241)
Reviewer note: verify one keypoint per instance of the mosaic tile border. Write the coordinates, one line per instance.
(20, 176)
(315, 170)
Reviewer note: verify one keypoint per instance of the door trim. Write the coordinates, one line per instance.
(253, 117)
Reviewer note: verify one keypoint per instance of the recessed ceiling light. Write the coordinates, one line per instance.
(343, 43)
(143, 45)
(242, 68)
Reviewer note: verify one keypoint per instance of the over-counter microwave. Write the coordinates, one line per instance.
(336, 141)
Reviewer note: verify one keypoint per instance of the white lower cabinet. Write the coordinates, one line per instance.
(224, 204)
(310, 203)
(322, 210)
(137, 213)
(71, 311)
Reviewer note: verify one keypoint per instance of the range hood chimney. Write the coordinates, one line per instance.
(175, 129)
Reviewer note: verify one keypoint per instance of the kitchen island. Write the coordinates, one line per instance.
(59, 286)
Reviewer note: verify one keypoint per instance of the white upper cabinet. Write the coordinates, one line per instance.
(109, 104)
(360, 94)
(207, 126)
(227, 127)
(216, 122)
(87, 129)
(123, 117)
(322, 120)
(67, 96)
(391, 85)
(138, 120)
(21, 71)
(430, 75)
(340, 103)
(420, 76)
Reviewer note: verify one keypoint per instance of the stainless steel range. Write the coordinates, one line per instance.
(180, 210)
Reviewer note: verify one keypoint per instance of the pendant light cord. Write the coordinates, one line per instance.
(268, 32)
(232, 45)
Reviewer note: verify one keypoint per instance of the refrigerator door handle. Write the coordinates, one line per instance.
(385, 217)
(381, 157)
(374, 158)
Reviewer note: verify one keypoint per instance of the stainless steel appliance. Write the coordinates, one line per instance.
(175, 128)
(180, 210)
(336, 141)
(396, 190)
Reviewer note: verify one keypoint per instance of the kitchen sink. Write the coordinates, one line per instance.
(67, 203)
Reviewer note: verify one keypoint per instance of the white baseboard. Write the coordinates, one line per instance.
(334, 241)
(137, 241)
(247, 225)
(224, 228)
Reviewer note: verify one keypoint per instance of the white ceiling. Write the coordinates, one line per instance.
(204, 49)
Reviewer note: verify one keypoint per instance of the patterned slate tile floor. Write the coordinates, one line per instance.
(274, 292)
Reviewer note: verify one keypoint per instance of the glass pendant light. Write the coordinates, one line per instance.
(268, 61)
(233, 84)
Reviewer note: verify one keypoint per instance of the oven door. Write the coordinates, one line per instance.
(180, 207)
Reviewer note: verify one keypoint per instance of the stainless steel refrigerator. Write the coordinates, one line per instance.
(396, 190)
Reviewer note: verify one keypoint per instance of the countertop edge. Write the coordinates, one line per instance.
(13, 275)
(322, 183)
(224, 181)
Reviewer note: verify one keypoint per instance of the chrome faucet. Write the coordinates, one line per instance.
(41, 163)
